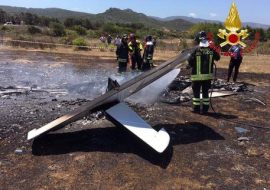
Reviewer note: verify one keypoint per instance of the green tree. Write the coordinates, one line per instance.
(69, 22)
(33, 30)
(137, 26)
(86, 23)
(263, 36)
(16, 19)
(45, 21)
(79, 29)
(111, 28)
(3, 16)
(98, 25)
(207, 27)
(268, 33)
(253, 31)
(58, 29)
(30, 19)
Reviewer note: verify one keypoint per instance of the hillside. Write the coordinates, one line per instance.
(199, 20)
(60, 14)
(116, 15)
(190, 19)
(113, 15)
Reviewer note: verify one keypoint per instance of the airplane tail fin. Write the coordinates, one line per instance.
(124, 115)
(112, 84)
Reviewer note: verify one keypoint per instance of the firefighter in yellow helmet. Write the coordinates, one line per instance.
(201, 62)
(135, 48)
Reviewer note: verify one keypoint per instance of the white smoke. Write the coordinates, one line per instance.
(149, 94)
(124, 77)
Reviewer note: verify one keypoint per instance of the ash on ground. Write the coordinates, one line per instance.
(180, 89)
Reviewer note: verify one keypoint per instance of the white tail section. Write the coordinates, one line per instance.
(158, 140)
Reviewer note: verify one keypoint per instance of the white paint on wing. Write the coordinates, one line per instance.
(150, 93)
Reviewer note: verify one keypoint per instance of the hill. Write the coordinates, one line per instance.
(60, 14)
(113, 15)
(116, 15)
(199, 20)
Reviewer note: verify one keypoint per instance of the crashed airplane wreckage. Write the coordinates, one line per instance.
(117, 111)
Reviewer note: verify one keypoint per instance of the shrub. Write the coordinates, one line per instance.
(93, 34)
(111, 28)
(80, 43)
(33, 30)
(57, 29)
(80, 30)
(263, 48)
(102, 48)
(70, 36)
(5, 28)
(111, 47)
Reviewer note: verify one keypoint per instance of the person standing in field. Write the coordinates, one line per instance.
(148, 53)
(135, 48)
(122, 54)
(235, 62)
(102, 39)
(201, 62)
(117, 41)
(109, 39)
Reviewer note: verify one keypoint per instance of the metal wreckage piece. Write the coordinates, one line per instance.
(118, 111)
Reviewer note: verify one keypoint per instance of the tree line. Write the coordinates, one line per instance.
(214, 27)
(84, 26)
(26, 18)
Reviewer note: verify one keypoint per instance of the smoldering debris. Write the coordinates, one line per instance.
(231, 86)
(180, 90)
(10, 90)
(25, 90)
(180, 83)
(241, 130)
(52, 77)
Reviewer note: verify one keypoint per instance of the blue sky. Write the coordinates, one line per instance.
(250, 10)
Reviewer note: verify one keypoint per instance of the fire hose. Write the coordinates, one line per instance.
(222, 117)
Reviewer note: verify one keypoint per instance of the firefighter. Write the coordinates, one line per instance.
(235, 62)
(148, 54)
(109, 39)
(122, 54)
(201, 62)
(135, 48)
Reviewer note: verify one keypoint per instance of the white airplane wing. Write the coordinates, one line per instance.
(158, 140)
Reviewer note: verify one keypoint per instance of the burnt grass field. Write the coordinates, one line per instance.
(205, 152)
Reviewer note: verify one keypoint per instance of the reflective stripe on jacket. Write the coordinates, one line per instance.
(201, 62)
(135, 47)
(148, 52)
(122, 60)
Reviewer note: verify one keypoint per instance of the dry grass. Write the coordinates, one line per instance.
(107, 54)
(251, 63)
